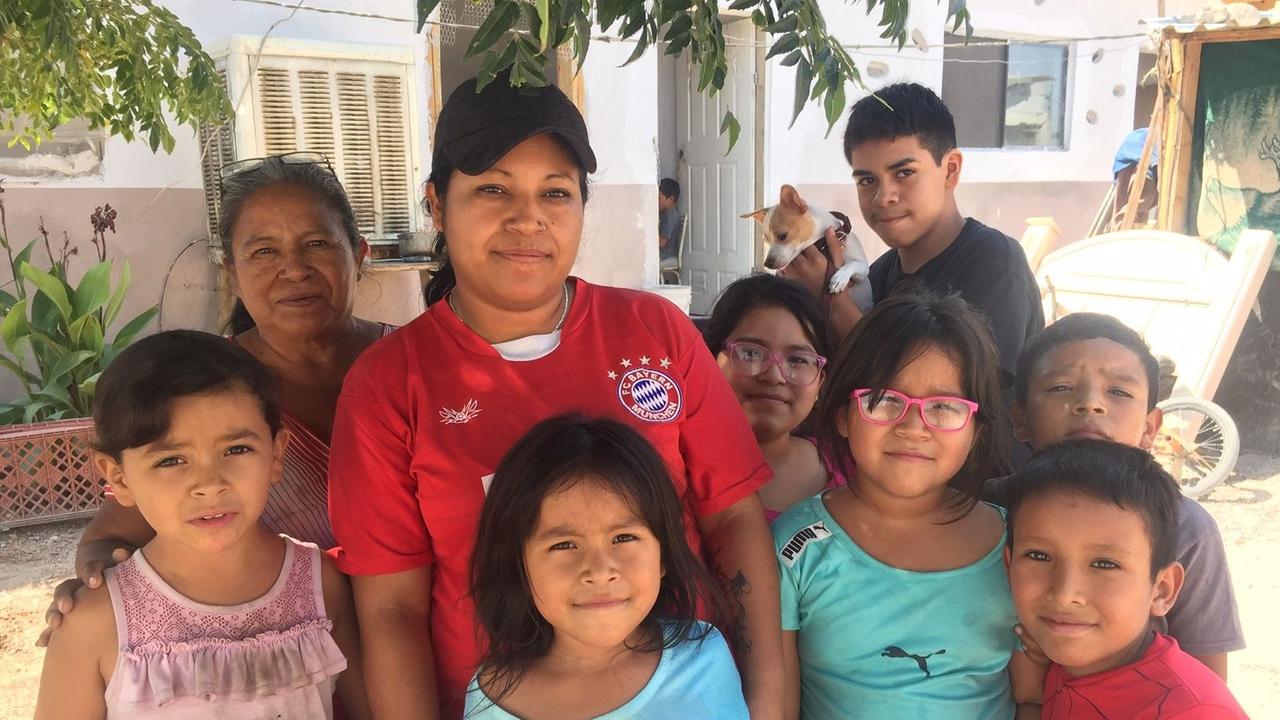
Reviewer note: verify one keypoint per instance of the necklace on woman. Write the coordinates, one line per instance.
(564, 309)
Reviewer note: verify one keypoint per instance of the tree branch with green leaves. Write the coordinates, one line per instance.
(121, 64)
(796, 29)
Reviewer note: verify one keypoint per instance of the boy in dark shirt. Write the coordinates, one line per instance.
(906, 168)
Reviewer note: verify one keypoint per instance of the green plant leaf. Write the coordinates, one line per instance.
(787, 24)
(91, 335)
(33, 410)
(15, 325)
(68, 363)
(117, 296)
(94, 289)
(425, 8)
(89, 385)
(7, 301)
(25, 377)
(804, 76)
(544, 26)
(10, 413)
(501, 19)
(785, 44)
(51, 287)
(743, 4)
(792, 59)
(133, 327)
(730, 125)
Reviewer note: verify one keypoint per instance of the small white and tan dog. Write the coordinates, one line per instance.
(793, 225)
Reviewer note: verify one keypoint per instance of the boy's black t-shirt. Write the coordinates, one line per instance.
(988, 269)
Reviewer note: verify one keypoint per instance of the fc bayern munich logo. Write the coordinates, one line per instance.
(650, 395)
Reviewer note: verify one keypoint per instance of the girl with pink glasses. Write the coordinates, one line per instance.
(895, 601)
(770, 337)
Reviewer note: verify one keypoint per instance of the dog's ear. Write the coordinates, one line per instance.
(791, 199)
(757, 215)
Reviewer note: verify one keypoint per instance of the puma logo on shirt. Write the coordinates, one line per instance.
(893, 651)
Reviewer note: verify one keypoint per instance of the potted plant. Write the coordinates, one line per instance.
(55, 335)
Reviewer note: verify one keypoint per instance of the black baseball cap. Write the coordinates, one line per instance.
(476, 129)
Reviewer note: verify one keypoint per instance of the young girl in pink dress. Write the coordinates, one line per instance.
(215, 617)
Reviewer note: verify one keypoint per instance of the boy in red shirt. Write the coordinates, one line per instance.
(1091, 560)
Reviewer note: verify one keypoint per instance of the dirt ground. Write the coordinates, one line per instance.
(1247, 508)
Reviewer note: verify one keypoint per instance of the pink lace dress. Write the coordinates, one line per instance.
(268, 658)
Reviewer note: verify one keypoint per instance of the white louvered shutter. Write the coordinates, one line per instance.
(217, 148)
(357, 112)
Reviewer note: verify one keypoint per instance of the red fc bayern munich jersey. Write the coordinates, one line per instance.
(427, 413)
(1165, 684)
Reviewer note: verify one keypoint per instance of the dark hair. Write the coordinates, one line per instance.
(763, 290)
(1086, 326)
(669, 187)
(902, 110)
(1128, 477)
(894, 333)
(134, 394)
(441, 171)
(237, 189)
(556, 454)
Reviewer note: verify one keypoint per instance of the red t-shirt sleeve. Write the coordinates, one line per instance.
(723, 462)
(373, 497)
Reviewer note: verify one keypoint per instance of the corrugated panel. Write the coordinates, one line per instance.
(217, 148)
(357, 148)
(275, 96)
(391, 136)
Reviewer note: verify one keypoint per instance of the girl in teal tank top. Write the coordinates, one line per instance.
(895, 601)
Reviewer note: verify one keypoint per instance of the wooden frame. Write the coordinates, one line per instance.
(1179, 67)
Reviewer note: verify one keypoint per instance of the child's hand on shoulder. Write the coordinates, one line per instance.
(92, 560)
(1030, 648)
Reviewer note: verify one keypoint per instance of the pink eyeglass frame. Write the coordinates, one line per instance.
(860, 393)
(778, 358)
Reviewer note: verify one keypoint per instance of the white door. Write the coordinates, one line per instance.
(716, 188)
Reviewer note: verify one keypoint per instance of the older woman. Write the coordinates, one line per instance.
(293, 251)
(425, 416)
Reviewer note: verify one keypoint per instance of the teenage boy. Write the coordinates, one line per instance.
(901, 144)
(1091, 560)
(1090, 376)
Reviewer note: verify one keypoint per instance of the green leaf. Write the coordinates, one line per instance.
(89, 385)
(804, 76)
(15, 326)
(133, 327)
(833, 103)
(117, 296)
(642, 44)
(7, 301)
(68, 363)
(33, 409)
(680, 26)
(731, 126)
(51, 287)
(494, 64)
(91, 336)
(93, 290)
(500, 20)
(10, 414)
(785, 44)
(425, 8)
(787, 24)
(25, 377)
(743, 4)
(792, 59)
(544, 25)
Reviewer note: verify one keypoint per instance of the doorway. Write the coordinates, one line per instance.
(717, 186)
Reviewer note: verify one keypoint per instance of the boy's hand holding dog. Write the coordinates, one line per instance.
(812, 270)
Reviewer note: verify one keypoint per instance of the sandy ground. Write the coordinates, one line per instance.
(1247, 508)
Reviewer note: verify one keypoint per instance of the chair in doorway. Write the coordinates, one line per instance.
(670, 266)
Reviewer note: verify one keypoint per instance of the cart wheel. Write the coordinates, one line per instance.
(1198, 444)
